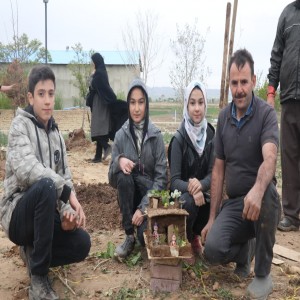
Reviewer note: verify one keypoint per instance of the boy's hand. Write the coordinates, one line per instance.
(69, 221)
(80, 216)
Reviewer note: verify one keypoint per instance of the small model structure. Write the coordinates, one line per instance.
(166, 240)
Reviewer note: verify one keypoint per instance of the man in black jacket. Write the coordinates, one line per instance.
(285, 69)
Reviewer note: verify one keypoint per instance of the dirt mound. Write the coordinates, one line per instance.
(77, 138)
(100, 204)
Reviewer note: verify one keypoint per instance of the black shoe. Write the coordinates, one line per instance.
(107, 152)
(40, 288)
(96, 160)
(243, 270)
(287, 225)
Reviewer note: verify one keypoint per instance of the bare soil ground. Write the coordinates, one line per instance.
(105, 278)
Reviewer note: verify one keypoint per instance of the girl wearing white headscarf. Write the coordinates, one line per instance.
(191, 160)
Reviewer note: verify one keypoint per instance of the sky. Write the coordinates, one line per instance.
(99, 25)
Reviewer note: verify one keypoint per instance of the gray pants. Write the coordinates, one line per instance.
(290, 159)
(227, 241)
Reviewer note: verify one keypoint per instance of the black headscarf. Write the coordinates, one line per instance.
(100, 80)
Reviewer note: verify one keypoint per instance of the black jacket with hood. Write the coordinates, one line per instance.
(186, 162)
(285, 55)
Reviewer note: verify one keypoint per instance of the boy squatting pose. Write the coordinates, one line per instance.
(39, 210)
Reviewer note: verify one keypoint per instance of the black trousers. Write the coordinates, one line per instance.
(101, 143)
(227, 241)
(197, 218)
(36, 222)
(131, 189)
(290, 159)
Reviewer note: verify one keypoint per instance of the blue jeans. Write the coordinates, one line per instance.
(227, 241)
(36, 222)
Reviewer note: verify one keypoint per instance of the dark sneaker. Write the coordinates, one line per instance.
(107, 152)
(126, 248)
(260, 287)
(287, 225)
(96, 160)
(25, 252)
(243, 270)
(40, 288)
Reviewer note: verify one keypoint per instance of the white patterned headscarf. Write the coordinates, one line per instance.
(196, 132)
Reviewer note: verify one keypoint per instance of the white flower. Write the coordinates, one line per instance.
(175, 194)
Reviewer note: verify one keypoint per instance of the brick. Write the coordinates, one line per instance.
(164, 285)
(159, 271)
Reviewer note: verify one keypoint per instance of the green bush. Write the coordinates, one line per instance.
(5, 102)
(58, 102)
(3, 139)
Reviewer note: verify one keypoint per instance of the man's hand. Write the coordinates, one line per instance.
(126, 165)
(206, 230)
(199, 199)
(194, 186)
(252, 204)
(138, 218)
(271, 93)
(80, 216)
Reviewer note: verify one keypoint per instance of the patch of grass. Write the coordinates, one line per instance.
(110, 250)
(3, 139)
(224, 294)
(167, 137)
(199, 268)
(5, 102)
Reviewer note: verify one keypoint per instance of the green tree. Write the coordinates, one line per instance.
(188, 48)
(262, 88)
(23, 49)
(80, 68)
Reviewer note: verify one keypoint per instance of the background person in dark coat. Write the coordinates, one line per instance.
(285, 69)
(103, 95)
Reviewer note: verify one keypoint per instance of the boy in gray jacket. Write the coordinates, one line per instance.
(39, 209)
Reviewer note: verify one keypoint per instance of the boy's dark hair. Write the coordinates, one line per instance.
(39, 73)
(240, 58)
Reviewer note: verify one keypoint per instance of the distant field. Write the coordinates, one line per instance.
(172, 112)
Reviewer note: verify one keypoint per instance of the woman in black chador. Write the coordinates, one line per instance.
(102, 96)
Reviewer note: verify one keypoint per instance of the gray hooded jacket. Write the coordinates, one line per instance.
(33, 154)
(152, 160)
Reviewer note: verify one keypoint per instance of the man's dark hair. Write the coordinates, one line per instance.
(240, 58)
(39, 73)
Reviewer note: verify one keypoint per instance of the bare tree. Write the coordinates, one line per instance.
(190, 60)
(143, 43)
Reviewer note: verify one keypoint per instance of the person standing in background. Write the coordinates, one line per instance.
(285, 70)
(102, 97)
